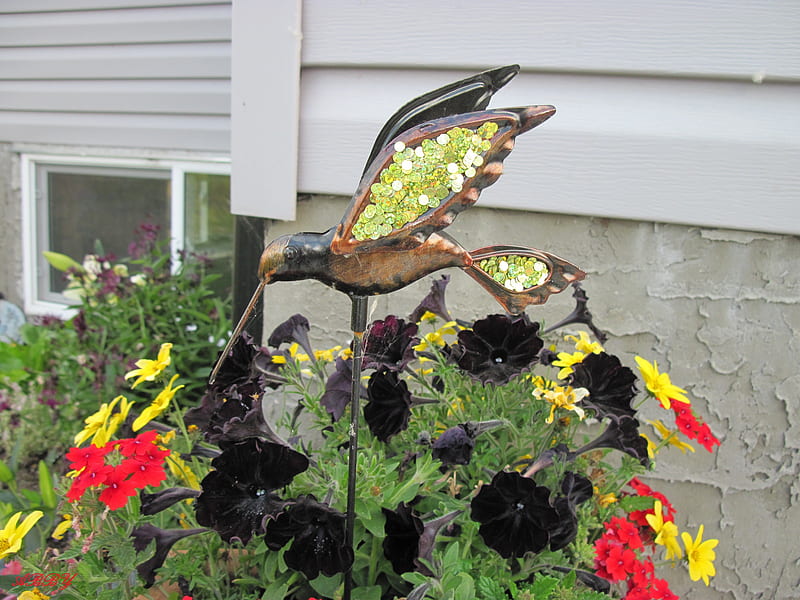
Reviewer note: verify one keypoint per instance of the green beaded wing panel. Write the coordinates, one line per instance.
(424, 178)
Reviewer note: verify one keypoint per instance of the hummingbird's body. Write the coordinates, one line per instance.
(430, 162)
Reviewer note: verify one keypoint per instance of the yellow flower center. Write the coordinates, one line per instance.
(4, 545)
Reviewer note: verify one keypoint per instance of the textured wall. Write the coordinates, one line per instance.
(718, 309)
(11, 225)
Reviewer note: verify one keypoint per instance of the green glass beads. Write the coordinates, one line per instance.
(514, 272)
(421, 178)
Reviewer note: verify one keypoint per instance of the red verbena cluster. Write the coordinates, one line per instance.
(120, 468)
(692, 427)
(624, 551)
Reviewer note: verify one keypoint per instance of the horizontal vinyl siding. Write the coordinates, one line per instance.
(714, 153)
(714, 38)
(122, 74)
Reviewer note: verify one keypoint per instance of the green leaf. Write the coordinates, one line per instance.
(372, 592)
(326, 586)
(450, 560)
(32, 497)
(49, 499)
(489, 589)
(465, 589)
(543, 586)
(62, 262)
(6, 474)
(631, 503)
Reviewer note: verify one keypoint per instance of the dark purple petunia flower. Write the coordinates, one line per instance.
(497, 348)
(339, 389)
(454, 446)
(152, 504)
(389, 344)
(611, 385)
(515, 515)
(389, 407)
(238, 495)
(408, 539)
(319, 538)
(433, 302)
(621, 434)
(581, 314)
(576, 489)
(165, 539)
(403, 529)
(294, 329)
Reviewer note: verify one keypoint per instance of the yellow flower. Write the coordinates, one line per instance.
(659, 384)
(701, 556)
(299, 357)
(651, 446)
(11, 535)
(149, 369)
(62, 528)
(605, 500)
(562, 397)
(669, 436)
(33, 594)
(158, 406)
(436, 338)
(103, 424)
(327, 355)
(583, 344)
(181, 470)
(566, 360)
(666, 532)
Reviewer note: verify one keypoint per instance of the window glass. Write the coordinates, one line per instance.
(209, 223)
(80, 205)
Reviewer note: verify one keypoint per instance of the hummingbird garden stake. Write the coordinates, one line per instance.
(430, 162)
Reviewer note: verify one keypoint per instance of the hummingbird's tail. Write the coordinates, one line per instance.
(518, 276)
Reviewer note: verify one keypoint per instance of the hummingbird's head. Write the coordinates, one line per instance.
(274, 257)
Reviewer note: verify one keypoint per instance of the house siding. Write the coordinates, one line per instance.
(120, 74)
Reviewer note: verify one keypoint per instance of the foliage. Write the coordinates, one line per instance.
(471, 483)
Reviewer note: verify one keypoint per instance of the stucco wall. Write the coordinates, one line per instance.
(718, 309)
(11, 224)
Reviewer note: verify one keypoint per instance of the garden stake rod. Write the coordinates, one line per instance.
(429, 162)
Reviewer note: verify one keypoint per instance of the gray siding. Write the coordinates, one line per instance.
(128, 73)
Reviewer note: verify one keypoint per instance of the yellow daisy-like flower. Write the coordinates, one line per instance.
(149, 369)
(659, 384)
(436, 338)
(34, 594)
(279, 359)
(608, 499)
(327, 355)
(670, 436)
(562, 397)
(104, 423)
(666, 532)
(12, 534)
(62, 528)
(181, 470)
(701, 556)
(158, 406)
(584, 344)
(566, 361)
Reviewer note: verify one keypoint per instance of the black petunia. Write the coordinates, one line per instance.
(319, 538)
(515, 514)
(433, 302)
(238, 495)
(293, 329)
(497, 348)
(621, 434)
(389, 407)
(389, 344)
(576, 489)
(403, 529)
(165, 539)
(454, 446)
(611, 385)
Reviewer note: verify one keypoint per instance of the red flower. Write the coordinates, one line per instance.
(91, 477)
(118, 489)
(88, 457)
(143, 473)
(690, 426)
(139, 445)
(639, 516)
(621, 562)
(706, 438)
(623, 531)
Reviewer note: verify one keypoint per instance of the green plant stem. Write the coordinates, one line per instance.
(374, 557)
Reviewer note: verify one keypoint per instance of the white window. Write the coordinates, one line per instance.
(70, 202)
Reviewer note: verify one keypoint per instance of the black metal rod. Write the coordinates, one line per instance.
(358, 323)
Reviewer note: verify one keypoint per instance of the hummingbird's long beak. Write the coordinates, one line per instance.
(271, 260)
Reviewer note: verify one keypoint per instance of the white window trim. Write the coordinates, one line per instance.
(30, 242)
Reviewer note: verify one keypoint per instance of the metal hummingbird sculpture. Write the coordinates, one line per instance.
(430, 161)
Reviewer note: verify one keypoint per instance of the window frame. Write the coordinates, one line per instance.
(30, 163)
